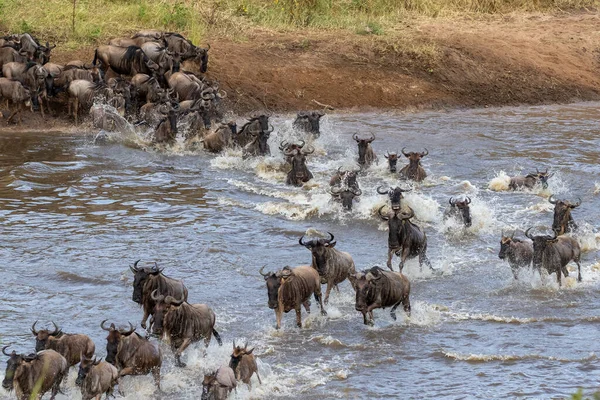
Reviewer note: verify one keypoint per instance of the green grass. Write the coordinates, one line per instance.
(98, 20)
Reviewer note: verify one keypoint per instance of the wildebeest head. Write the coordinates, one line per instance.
(463, 208)
(346, 194)
(140, 275)
(163, 305)
(286, 147)
(42, 336)
(562, 214)
(392, 160)
(274, 280)
(113, 339)
(395, 195)
(505, 244)
(238, 353)
(363, 145)
(319, 249)
(297, 158)
(414, 158)
(14, 361)
(209, 385)
(540, 243)
(84, 368)
(541, 177)
(203, 58)
(364, 283)
(312, 121)
(261, 122)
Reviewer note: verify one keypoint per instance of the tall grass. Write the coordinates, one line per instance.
(97, 20)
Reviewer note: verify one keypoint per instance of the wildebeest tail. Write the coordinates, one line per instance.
(218, 337)
(95, 57)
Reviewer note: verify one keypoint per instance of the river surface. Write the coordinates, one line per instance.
(75, 215)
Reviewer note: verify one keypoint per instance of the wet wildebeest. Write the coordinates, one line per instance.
(70, 346)
(96, 377)
(30, 376)
(168, 63)
(259, 145)
(345, 178)
(125, 61)
(289, 148)
(299, 173)
(34, 77)
(131, 353)
(8, 54)
(346, 195)
(147, 89)
(218, 385)
(221, 137)
(518, 253)
(152, 113)
(290, 288)
(554, 253)
(366, 155)
(530, 180)
(182, 324)
(147, 280)
(334, 266)
(459, 210)
(563, 220)
(395, 195)
(414, 171)
(18, 95)
(308, 122)
(376, 288)
(166, 130)
(405, 239)
(392, 160)
(82, 94)
(243, 364)
(251, 129)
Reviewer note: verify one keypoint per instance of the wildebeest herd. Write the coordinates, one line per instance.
(140, 77)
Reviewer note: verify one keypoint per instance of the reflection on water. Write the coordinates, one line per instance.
(75, 215)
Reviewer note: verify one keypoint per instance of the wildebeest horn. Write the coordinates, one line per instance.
(339, 170)
(309, 150)
(357, 192)
(537, 170)
(336, 190)
(134, 268)
(208, 48)
(355, 137)
(451, 201)
(576, 205)
(303, 143)
(426, 152)
(383, 217)
(155, 296)
(555, 235)
(56, 329)
(468, 200)
(408, 216)
(380, 192)
(222, 94)
(4, 351)
(406, 154)
(33, 328)
(305, 244)
(111, 328)
(176, 302)
(272, 129)
(129, 332)
(551, 199)
(282, 145)
(372, 138)
(527, 233)
(286, 272)
(387, 154)
(289, 152)
(301, 114)
(330, 239)
(260, 271)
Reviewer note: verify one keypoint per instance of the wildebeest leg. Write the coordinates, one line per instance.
(579, 279)
(370, 311)
(389, 261)
(558, 277)
(515, 272)
(144, 318)
(319, 298)
(298, 316)
(186, 342)
(156, 376)
(278, 313)
(393, 311)
(406, 303)
(306, 305)
(76, 106)
(327, 291)
(423, 259)
(365, 321)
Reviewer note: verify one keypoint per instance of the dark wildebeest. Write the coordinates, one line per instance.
(345, 178)
(70, 346)
(554, 253)
(289, 148)
(366, 155)
(70, 74)
(243, 364)
(147, 89)
(34, 77)
(308, 122)
(563, 220)
(259, 145)
(33, 375)
(221, 137)
(8, 54)
(376, 288)
(392, 160)
(152, 113)
(405, 239)
(459, 210)
(290, 288)
(218, 385)
(131, 353)
(184, 47)
(96, 377)
(17, 94)
(187, 86)
(517, 252)
(182, 324)
(395, 195)
(334, 266)
(414, 171)
(168, 63)
(299, 173)
(125, 61)
(82, 94)
(147, 280)
(530, 180)
(346, 195)
(34, 50)
(251, 129)
(166, 130)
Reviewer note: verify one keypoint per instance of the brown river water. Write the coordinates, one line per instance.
(75, 215)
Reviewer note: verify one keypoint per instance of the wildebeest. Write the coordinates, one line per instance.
(392, 160)
(259, 145)
(346, 195)
(366, 155)
(299, 172)
(168, 63)
(405, 239)
(563, 220)
(554, 253)
(187, 86)
(517, 252)
(33, 76)
(395, 195)
(251, 129)
(530, 180)
(345, 178)
(218, 385)
(414, 171)
(82, 94)
(290, 288)
(146, 281)
(126, 42)
(70, 346)
(131, 353)
(96, 377)
(30, 376)
(182, 324)
(376, 288)
(70, 74)
(459, 210)
(8, 54)
(221, 137)
(184, 47)
(334, 266)
(17, 94)
(34, 50)
(243, 364)
(166, 130)
(289, 148)
(125, 61)
(147, 89)
(308, 122)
